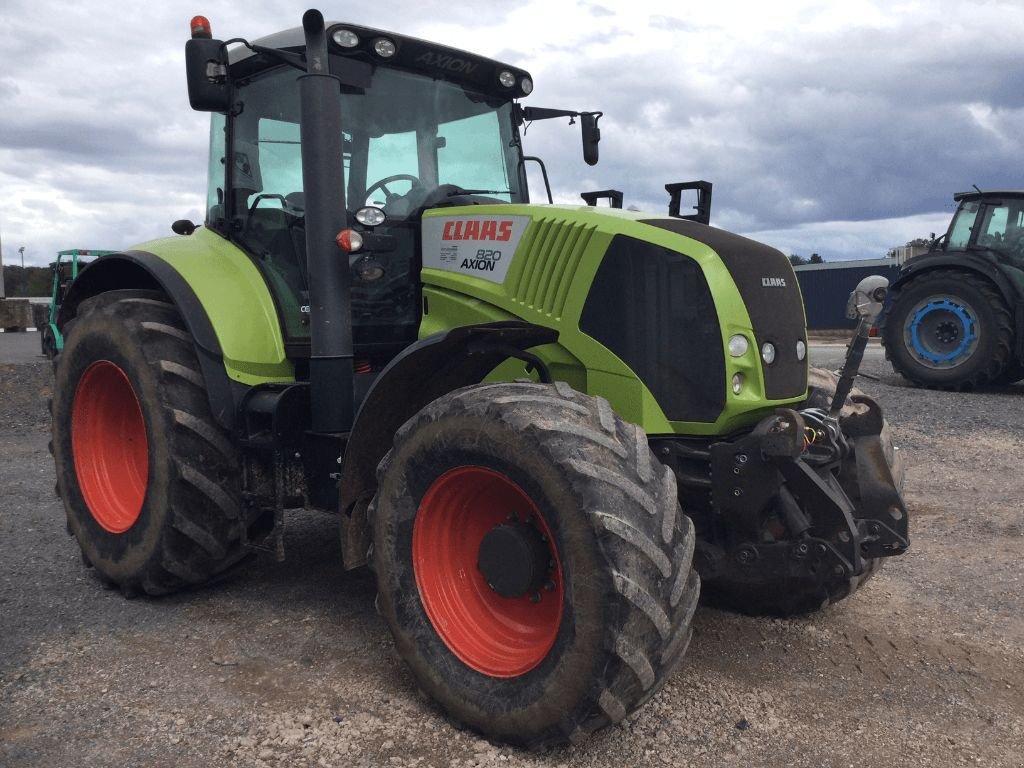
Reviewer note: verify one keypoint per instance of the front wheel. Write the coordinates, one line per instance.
(532, 561)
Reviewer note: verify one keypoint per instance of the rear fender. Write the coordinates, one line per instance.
(143, 270)
(964, 263)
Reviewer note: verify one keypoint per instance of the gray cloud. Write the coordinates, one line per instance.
(801, 127)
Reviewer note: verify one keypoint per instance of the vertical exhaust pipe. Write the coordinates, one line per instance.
(323, 179)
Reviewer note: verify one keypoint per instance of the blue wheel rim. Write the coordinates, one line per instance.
(942, 332)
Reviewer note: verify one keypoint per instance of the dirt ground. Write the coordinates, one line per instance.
(288, 665)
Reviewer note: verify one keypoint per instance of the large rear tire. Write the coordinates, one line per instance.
(795, 596)
(532, 561)
(948, 330)
(148, 479)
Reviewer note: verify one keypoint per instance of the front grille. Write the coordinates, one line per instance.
(770, 291)
(653, 308)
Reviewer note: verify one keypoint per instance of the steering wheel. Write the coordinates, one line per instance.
(383, 185)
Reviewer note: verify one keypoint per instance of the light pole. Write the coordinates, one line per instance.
(21, 251)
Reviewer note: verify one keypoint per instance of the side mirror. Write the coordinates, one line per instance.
(206, 69)
(591, 136)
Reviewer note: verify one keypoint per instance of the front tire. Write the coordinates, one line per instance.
(148, 479)
(948, 330)
(532, 561)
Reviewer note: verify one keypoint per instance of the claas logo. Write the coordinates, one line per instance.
(475, 229)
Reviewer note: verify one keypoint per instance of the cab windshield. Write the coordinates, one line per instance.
(410, 143)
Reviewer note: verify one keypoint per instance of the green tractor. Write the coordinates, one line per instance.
(534, 422)
(65, 271)
(955, 318)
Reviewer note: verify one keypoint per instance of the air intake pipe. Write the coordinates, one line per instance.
(323, 177)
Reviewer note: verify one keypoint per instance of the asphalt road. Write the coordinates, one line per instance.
(20, 347)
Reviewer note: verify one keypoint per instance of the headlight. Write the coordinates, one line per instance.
(768, 353)
(371, 216)
(506, 78)
(738, 345)
(737, 383)
(384, 48)
(526, 85)
(801, 350)
(346, 38)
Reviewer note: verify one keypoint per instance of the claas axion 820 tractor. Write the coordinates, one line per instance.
(537, 424)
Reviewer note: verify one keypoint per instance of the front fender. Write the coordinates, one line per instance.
(423, 372)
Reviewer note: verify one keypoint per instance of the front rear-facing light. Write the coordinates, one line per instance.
(201, 28)
(738, 345)
(349, 240)
(801, 350)
(384, 48)
(506, 78)
(526, 86)
(371, 216)
(768, 353)
(346, 38)
(737, 383)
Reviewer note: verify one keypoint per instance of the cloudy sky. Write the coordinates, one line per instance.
(836, 128)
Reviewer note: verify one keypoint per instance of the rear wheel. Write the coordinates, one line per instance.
(532, 561)
(148, 479)
(948, 330)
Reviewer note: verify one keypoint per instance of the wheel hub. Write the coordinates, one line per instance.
(514, 559)
(490, 583)
(942, 332)
(947, 332)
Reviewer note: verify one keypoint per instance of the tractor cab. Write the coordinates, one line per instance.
(988, 221)
(422, 126)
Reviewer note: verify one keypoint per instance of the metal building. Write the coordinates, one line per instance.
(827, 286)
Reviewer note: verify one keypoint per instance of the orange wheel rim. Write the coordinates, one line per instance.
(497, 636)
(109, 446)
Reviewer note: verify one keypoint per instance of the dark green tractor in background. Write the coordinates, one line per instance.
(533, 421)
(956, 314)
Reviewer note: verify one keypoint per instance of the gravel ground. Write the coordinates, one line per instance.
(288, 664)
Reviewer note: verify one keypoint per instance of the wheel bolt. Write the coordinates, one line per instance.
(535, 597)
(549, 585)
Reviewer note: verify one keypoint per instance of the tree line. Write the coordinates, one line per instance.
(22, 282)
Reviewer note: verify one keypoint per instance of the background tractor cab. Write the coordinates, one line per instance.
(956, 315)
